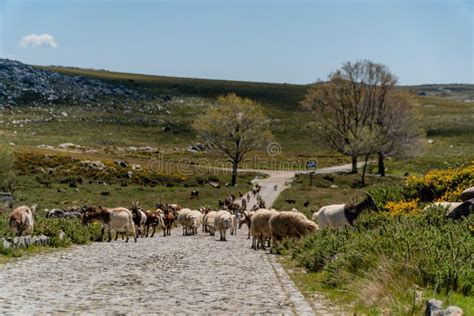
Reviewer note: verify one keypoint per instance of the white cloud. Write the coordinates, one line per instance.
(43, 40)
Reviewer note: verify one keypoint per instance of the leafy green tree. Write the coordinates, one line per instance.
(234, 128)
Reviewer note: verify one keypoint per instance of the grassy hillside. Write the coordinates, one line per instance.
(446, 119)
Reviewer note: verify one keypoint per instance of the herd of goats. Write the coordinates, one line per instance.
(265, 226)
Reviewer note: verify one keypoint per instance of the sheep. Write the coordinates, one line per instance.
(289, 224)
(59, 213)
(467, 194)
(139, 218)
(234, 223)
(448, 206)
(222, 222)
(208, 221)
(118, 219)
(204, 211)
(337, 215)
(465, 209)
(187, 218)
(195, 218)
(259, 228)
(22, 220)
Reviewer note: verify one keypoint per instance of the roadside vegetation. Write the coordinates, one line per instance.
(392, 260)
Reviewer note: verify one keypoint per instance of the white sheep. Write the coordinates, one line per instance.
(184, 219)
(195, 218)
(259, 228)
(22, 220)
(337, 215)
(222, 222)
(448, 206)
(209, 222)
(234, 224)
(289, 224)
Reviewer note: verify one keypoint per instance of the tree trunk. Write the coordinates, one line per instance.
(381, 171)
(364, 169)
(354, 164)
(234, 173)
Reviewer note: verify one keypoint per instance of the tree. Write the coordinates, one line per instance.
(398, 125)
(359, 100)
(234, 128)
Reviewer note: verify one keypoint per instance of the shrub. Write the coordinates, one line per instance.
(441, 184)
(402, 207)
(436, 251)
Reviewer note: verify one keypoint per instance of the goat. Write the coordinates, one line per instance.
(22, 220)
(168, 221)
(118, 219)
(139, 218)
(338, 215)
(194, 194)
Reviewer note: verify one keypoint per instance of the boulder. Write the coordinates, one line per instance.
(467, 194)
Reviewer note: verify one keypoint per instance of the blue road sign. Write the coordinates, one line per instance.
(311, 164)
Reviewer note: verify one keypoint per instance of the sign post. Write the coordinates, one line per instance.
(311, 165)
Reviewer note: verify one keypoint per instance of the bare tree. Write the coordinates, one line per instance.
(359, 112)
(234, 128)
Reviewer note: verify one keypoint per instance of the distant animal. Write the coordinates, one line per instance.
(59, 213)
(117, 219)
(234, 224)
(337, 215)
(221, 204)
(248, 197)
(290, 201)
(208, 221)
(306, 204)
(194, 194)
(139, 219)
(168, 221)
(244, 204)
(153, 219)
(222, 222)
(21, 220)
(187, 219)
(275, 187)
(247, 220)
(241, 194)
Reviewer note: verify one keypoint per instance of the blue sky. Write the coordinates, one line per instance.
(272, 41)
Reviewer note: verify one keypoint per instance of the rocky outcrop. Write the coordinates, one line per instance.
(24, 241)
(21, 84)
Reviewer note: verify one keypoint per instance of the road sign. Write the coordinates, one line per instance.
(311, 164)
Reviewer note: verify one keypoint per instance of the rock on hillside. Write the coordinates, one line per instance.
(20, 83)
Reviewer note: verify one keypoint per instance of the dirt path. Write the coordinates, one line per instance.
(177, 274)
(278, 181)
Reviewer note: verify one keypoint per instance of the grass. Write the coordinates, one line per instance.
(384, 260)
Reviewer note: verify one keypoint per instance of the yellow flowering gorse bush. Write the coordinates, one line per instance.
(402, 207)
(442, 185)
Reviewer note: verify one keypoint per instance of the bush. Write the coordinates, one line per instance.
(402, 207)
(443, 185)
(436, 251)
